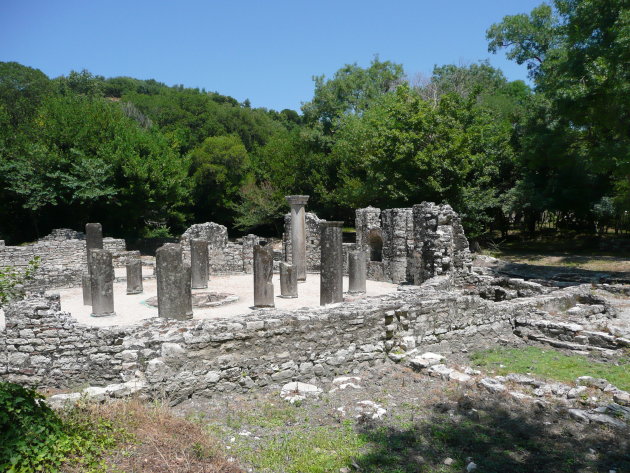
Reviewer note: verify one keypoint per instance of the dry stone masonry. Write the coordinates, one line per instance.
(450, 309)
(63, 258)
(412, 245)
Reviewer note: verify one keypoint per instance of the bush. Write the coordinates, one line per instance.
(34, 438)
(12, 280)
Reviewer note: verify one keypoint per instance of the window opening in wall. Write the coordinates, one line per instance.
(375, 242)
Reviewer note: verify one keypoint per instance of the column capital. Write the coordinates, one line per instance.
(297, 199)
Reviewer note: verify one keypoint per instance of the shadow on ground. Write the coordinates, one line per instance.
(564, 276)
(498, 438)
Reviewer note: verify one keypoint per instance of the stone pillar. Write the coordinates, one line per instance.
(134, 277)
(187, 279)
(357, 271)
(288, 281)
(101, 283)
(298, 234)
(199, 262)
(331, 277)
(263, 272)
(86, 284)
(93, 240)
(173, 283)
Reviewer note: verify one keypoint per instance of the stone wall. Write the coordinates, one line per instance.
(63, 258)
(313, 235)
(415, 244)
(180, 359)
(224, 256)
(440, 246)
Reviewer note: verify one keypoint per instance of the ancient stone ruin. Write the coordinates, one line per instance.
(435, 298)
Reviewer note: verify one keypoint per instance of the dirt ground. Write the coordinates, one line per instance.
(430, 425)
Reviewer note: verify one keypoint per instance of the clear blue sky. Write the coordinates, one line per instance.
(264, 50)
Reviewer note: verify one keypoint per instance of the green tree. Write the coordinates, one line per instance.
(218, 170)
(578, 52)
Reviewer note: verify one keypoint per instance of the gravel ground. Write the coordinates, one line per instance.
(131, 309)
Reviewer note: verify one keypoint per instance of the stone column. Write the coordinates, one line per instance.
(331, 277)
(102, 283)
(199, 262)
(357, 271)
(298, 234)
(187, 279)
(263, 272)
(93, 240)
(134, 277)
(288, 281)
(86, 284)
(173, 283)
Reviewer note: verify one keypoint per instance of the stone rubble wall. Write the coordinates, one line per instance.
(418, 243)
(224, 256)
(43, 346)
(313, 236)
(62, 260)
(440, 246)
(398, 242)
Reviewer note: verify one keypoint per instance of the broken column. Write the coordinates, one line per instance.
(357, 271)
(298, 234)
(101, 283)
(288, 281)
(199, 263)
(93, 240)
(173, 283)
(331, 278)
(263, 272)
(134, 277)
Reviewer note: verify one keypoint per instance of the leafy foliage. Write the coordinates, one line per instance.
(12, 280)
(35, 438)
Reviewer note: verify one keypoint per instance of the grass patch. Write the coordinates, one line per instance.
(552, 364)
(305, 450)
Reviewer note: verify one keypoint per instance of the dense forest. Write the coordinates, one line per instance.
(146, 159)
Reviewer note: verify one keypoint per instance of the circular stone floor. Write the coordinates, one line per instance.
(131, 309)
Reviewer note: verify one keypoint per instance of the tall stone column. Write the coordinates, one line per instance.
(173, 283)
(199, 263)
(331, 277)
(102, 283)
(288, 281)
(298, 234)
(134, 277)
(86, 285)
(263, 272)
(357, 271)
(93, 240)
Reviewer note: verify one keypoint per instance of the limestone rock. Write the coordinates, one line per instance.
(296, 391)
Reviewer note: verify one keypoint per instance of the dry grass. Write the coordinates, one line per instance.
(160, 442)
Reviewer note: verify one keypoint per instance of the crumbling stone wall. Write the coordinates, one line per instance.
(224, 256)
(440, 246)
(313, 235)
(417, 243)
(63, 258)
(180, 359)
(397, 244)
